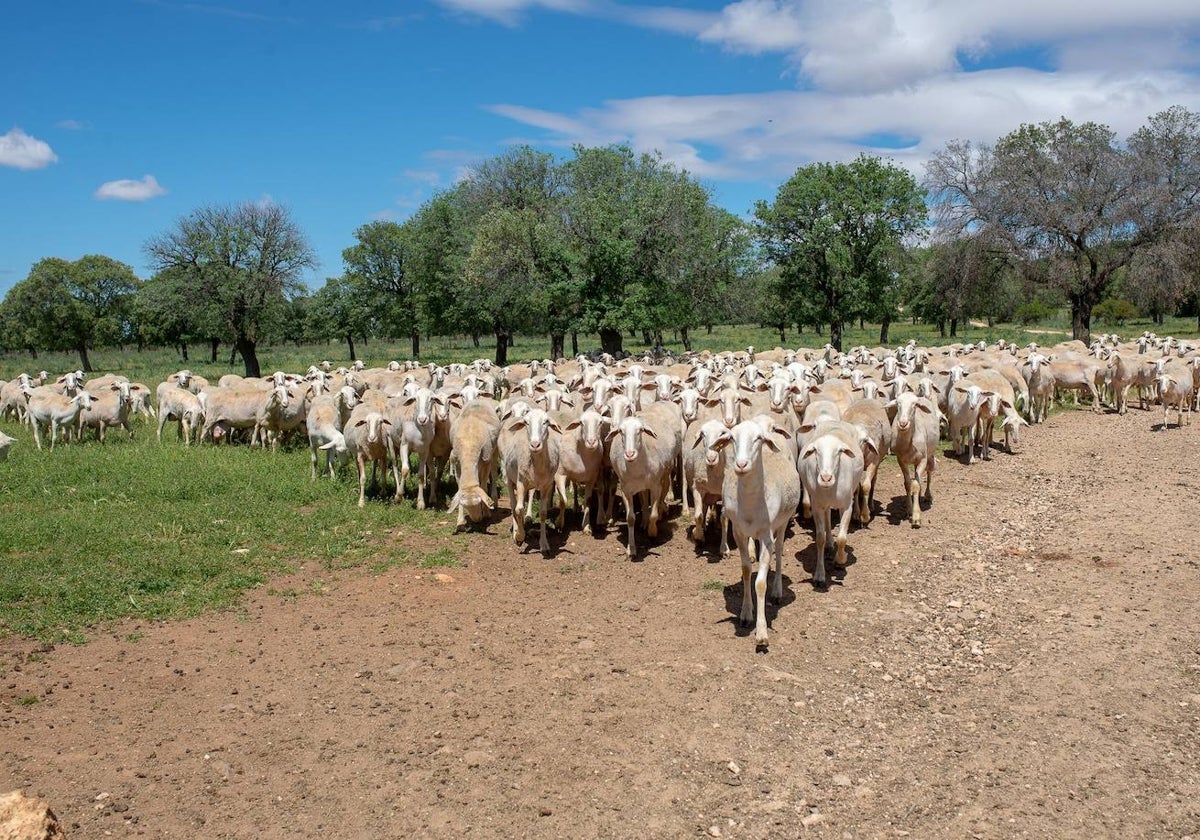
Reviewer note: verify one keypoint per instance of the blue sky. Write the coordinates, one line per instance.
(118, 117)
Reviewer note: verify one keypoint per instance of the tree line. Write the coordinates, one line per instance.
(608, 242)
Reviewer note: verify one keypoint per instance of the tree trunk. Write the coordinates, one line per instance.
(685, 338)
(782, 335)
(512, 340)
(84, 361)
(416, 344)
(475, 340)
(861, 324)
(799, 329)
(214, 344)
(632, 332)
(820, 329)
(502, 338)
(183, 351)
(941, 325)
(954, 328)
(350, 345)
(1081, 317)
(658, 340)
(33, 352)
(610, 341)
(708, 329)
(835, 335)
(233, 354)
(557, 342)
(574, 343)
(883, 332)
(647, 339)
(249, 352)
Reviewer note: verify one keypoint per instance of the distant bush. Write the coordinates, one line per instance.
(1114, 311)
(1032, 312)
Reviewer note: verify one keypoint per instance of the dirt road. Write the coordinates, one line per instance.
(1025, 665)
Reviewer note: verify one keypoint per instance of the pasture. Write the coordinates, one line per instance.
(263, 658)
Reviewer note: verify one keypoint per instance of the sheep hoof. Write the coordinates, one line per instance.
(760, 638)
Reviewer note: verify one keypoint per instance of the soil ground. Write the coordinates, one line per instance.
(1027, 664)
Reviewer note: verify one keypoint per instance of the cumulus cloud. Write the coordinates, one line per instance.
(767, 135)
(21, 151)
(127, 189)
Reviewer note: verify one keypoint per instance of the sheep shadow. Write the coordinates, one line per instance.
(733, 604)
(834, 574)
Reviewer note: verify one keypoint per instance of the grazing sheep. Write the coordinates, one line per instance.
(368, 440)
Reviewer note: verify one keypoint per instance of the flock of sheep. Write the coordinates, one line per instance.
(744, 441)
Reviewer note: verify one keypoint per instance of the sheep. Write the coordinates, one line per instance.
(1174, 388)
(52, 410)
(831, 467)
(1001, 403)
(14, 397)
(1075, 373)
(529, 454)
(269, 417)
(175, 403)
(414, 424)
(915, 433)
(6, 443)
(232, 408)
(367, 439)
(759, 493)
(1041, 386)
(581, 460)
(324, 422)
(642, 450)
(475, 436)
(964, 404)
(110, 407)
(704, 476)
(870, 417)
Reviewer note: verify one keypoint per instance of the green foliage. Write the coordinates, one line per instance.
(377, 295)
(238, 266)
(837, 232)
(1115, 311)
(65, 305)
(1032, 312)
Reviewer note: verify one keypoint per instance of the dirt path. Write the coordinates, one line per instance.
(1027, 664)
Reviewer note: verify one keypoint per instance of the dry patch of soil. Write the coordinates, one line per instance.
(1025, 665)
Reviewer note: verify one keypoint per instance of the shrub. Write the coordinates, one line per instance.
(1114, 311)
(1032, 312)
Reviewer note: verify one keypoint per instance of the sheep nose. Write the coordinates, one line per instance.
(423, 419)
(630, 454)
(742, 466)
(903, 424)
(729, 424)
(825, 479)
(535, 445)
(711, 458)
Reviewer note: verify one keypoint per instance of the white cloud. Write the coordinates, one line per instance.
(127, 189)
(72, 125)
(767, 135)
(508, 12)
(19, 150)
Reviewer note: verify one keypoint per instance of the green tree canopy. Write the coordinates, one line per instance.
(244, 261)
(835, 232)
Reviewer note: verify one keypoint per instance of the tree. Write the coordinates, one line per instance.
(343, 308)
(1068, 197)
(72, 306)
(504, 281)
(245, 260)
(626, 225)
(834, 231)
(439, 239)
(376, 271)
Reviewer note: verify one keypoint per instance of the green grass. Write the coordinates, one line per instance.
(90, 533)
(713, 585)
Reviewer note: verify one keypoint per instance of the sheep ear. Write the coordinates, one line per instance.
(327, 446)
(612, 435)
(361, 422)
(554, 427)
(870, 444)
(770, 444)
(574, 424)
(519, 423)
(385, 422)
(744, 400)
(890, 404)
(1006, 403)
(723, 440)
(646, 430)
(925, 408)
(782, 432)
(806, 428)
(808, 452)
(960, 389)
(649, 386)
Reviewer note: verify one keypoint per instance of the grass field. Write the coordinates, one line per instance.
(136, 529)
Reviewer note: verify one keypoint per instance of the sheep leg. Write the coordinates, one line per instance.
(843, 529)
(766, 549)
(362, 479)
(545, 496)
(560, 484)
(37, 438)
(747, 614)
(422, 478)
(518, 512)
(655, 495)
(821, 519)
(589, 491)
(631, 523)
(777, 581)
(724, 547)
(698, 517)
